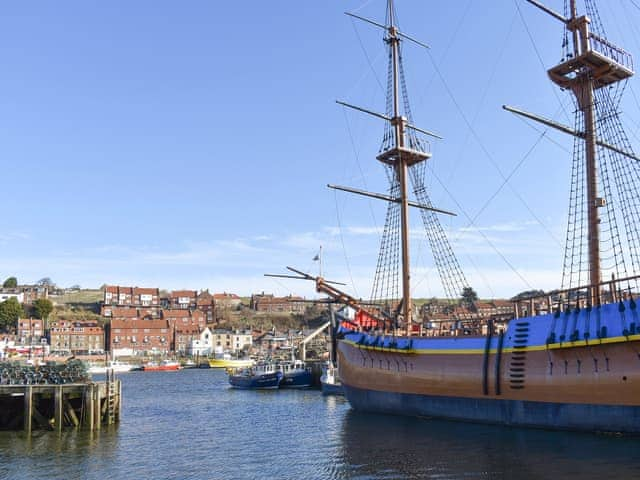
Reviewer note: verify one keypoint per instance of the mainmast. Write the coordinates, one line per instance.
(594, 63)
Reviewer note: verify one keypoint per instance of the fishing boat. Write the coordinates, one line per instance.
(112, 365)
(262, 376)
(330, 381)
(295, 374)
(163, 366)
(226, 361)
(566, 359)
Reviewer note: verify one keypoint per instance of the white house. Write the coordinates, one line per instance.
(203, 345)
(7, 294)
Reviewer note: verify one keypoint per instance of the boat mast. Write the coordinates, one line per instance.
(583, 90)
(595, 63)
(401, 169)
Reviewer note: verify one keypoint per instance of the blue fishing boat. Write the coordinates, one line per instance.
(259, 377)
(295, 374)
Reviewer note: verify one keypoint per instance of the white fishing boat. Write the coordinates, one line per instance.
(112, 365)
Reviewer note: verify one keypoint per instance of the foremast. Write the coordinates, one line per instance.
(403, 152)
(401, 158)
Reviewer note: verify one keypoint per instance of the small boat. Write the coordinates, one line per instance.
(115, 365)
(259, 377)
(295, 374)
(190, 364)
(163, 366)
(226, 361)
(329, 381)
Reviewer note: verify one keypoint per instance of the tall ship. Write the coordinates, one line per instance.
(566, 359)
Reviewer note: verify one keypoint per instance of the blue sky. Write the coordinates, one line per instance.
(189, 144)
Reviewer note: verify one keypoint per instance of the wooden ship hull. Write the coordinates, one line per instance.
(590, 382)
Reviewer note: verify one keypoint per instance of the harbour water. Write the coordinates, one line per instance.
(191, 425)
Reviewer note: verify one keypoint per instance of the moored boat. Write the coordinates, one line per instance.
(113, 365)
(163, 366)
(226, 361)
(330, 381)
(262, 376)
(295, 374)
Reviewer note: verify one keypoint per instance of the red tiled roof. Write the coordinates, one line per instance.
(137, 323)
(220, 296)
(183, 293)
(146, 291)
(124, 312)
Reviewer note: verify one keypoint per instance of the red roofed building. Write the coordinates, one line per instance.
(271, 304)
(205, 304)
(118, 312)
(183, 318)
(226, 300)
(183, 299)
(132, 336)
(131, 296)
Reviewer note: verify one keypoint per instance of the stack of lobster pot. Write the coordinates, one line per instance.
(72, 371)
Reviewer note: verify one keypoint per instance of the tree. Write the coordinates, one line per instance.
(42, 307)
(46, 282)
(11, 282)
(469, 297)
(10, 312)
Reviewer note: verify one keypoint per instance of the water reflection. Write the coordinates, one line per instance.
(378, 446)
(75, 452)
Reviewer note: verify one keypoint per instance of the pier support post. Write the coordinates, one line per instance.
(28, 409)
(97, 413)
(88, 408)
(57, 405)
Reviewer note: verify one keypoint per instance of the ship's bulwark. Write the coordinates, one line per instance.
(589, 381)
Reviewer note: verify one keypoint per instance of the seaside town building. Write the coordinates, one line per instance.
(76, 337)
(131, 336)
(183, 299)
(131, 296)
(267, 303)
(7, 293)
(30, 330)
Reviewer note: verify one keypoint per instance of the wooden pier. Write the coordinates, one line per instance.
(88, 405)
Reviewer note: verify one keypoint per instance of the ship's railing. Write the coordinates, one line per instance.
(479, 323)
(611, 291)
(611, 51)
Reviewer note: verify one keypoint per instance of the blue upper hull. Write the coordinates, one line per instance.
(256, 382)
(298, 379)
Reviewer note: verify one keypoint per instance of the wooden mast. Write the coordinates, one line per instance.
(595, 63)
(398, 123)
(583, 90)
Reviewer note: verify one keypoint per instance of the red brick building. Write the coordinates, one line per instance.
(271, 304)
(205, 303)
(183, 299)
(131, 296)
(133, 335)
